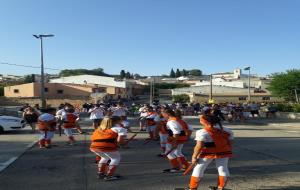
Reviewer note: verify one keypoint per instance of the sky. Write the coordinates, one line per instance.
(150, 37)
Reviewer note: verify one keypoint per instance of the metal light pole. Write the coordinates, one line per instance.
(43, 99)
(249, 92)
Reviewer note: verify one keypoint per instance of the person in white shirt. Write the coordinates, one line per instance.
(96, 114)
(213, 144)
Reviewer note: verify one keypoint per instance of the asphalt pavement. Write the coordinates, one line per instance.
(267, 157)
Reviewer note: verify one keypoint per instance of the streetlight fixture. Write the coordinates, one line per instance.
(41, 36)
(249, 92)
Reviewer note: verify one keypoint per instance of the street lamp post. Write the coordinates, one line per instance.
(43, 99)
(249, 92)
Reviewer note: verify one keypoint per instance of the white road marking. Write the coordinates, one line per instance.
(4, 165)
(292, 131)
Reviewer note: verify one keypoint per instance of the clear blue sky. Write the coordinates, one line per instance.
(151, 36)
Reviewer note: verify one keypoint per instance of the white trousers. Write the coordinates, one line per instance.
(114, 157)
(221, 165)
(163, 140)
(47, 135)
(175, 153)
(151, 128)
(68, 132)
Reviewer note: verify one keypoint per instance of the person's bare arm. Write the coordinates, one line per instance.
(197, 150)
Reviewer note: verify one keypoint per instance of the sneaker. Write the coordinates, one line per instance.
(212, 188)
(172, 170)
(101, 175)
(42, 147)
(161, 155)
(111, 178)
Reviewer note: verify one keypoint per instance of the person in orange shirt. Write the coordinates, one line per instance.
(70, 120)
(178, 132)
(46, 126)
(213, 143)
(161, 131)
(104, 143)
(150, 123)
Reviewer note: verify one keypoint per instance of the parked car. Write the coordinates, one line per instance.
(9, 123)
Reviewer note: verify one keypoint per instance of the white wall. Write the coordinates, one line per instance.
(90, 79)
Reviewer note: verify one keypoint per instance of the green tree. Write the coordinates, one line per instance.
(172, 73)
(127, 75)
(122, 74)
(29, 78)
(184, 73)
(74, 72)
(182, 98)
(177, 74)
(284, 84)
(1, 90)
(195, 72)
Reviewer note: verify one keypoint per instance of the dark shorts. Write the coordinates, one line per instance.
(254, 112)
(97, 121)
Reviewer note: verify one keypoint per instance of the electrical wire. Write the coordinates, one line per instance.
(28, 66)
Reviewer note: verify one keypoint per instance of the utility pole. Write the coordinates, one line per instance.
(211, 89)
(296, 95)
(151, 94)
(249, 83)
(43, 99)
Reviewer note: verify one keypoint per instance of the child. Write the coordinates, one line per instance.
(46, 125)
(104, 143)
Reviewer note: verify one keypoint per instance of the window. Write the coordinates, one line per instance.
(46, 90)
(16, 91)
(266, 98)
(243, 98)
(60, 91)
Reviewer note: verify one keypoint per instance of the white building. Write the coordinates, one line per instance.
(222, 82)
(91, 79)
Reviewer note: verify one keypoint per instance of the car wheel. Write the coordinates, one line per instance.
(1, 130)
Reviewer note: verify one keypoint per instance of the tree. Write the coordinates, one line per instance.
(122, 74)
(74, 72)
(184, 73)
(284, 84)
(1, 90)
(29, 78)
(172, 73)
(195, 72)
(177, 74)
(182, 98)
(127, 75)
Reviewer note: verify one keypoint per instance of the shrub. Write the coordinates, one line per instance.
(288, 107)
(182, 98)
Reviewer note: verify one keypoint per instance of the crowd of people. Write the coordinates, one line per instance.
(163, 123)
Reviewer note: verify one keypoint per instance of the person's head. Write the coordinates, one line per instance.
(70, 109)
(120, 104)
(212, 120)
(50, 110)
(149, 109)
(178, 113)
(109, 122)
(167, 113)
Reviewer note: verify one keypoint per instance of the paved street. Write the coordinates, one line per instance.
(267, 157)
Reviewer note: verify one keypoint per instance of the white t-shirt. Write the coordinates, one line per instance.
(203, 135)
(47, 117)
(126, 124)
(118, 111)
(120, 130)
(174, 126)
(96, 113)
